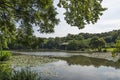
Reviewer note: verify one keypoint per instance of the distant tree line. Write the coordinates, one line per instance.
(82, 41)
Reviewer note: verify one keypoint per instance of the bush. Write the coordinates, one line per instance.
(5, 55)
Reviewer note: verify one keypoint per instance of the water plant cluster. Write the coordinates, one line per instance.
(7, 73)
(29, 61)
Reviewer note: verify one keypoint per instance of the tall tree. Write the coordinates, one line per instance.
(94, 42)
(73, 45)
(97, 42)
(101, 43)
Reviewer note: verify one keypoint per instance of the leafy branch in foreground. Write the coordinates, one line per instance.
(42, 13)
(81, 12)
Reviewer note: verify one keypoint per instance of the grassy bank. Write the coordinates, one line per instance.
(108, 49)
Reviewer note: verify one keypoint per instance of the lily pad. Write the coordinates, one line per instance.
(29, 61)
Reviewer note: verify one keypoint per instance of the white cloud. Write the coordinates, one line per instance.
(110, 22)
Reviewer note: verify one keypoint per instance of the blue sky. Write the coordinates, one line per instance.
(109, 21)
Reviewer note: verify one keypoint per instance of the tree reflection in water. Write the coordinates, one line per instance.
(87, 61)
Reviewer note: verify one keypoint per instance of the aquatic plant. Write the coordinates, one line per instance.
(24, 74)
(7, 73)
(29, 61)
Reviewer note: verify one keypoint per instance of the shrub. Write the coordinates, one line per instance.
(5, 55)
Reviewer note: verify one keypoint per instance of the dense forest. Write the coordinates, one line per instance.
(81, 41)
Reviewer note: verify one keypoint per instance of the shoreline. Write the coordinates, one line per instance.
(101, 55)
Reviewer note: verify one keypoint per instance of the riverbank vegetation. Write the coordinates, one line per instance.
(7, 73)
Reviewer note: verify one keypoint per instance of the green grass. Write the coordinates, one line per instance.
(108, 49)
(5, 55)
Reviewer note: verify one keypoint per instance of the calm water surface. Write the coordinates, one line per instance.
(76, 67)
(61, 70)
(55, 54)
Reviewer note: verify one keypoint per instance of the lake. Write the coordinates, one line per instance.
(74, 66)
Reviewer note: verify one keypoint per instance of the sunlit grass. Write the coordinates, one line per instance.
(5, 55)
(108, 49)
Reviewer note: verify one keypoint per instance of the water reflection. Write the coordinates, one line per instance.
(61, 70)
(88, 61)
(80, 68)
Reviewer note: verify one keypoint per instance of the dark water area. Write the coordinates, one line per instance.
(77, 67)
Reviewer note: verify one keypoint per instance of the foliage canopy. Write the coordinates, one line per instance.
(97, 42)
(81, 12)
(42, 13)
(117, 47)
